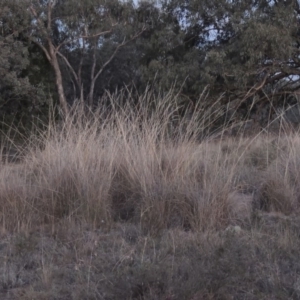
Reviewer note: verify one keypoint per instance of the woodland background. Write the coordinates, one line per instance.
(122, 171)
(243, 55)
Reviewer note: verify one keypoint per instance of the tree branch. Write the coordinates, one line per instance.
(69, 65)
(83, 37)
(117, 49)
(42, 26)
(42, 47)
(49, 12)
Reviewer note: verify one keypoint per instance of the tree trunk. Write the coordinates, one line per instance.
(60, 89)
(93, 79)
(91, 95)
(58, 80)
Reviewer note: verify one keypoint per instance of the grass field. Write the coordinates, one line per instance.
(122, 205)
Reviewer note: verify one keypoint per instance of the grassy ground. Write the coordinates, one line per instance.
(122, 205)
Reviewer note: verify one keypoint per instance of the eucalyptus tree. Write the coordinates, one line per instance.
(250, 45)
(59, 27)
(106, 28)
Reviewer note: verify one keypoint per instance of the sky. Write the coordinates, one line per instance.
(155, 1)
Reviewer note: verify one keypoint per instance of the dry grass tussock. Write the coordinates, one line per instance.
(132, 204)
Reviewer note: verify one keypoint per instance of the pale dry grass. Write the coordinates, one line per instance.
(132, 202)
(137, 164)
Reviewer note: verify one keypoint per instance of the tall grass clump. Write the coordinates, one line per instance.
(133, 162)
(145, 161)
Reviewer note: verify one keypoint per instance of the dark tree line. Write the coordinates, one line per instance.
(243, 51)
